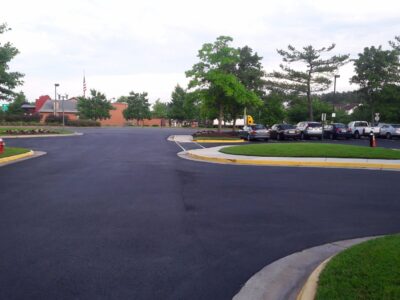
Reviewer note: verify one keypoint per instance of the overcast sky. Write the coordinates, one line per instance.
(148, 45)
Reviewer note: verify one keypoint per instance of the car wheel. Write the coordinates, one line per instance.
(388, 136)
(356, 135)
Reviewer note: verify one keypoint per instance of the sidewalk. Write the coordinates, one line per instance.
(285, 278)
(213, 155)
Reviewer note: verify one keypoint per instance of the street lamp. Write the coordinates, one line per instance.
(55, 97)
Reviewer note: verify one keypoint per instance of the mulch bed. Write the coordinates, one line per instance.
(29, 131)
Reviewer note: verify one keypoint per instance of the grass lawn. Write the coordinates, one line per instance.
(9, 151)
(216, 138)
(312, 150)
(370, 270)
(4, 131)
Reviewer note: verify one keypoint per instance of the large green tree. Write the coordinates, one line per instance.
(375, 68)
(159, 109)
(8, 80)
(177, 104)
(138, 107)
(15, 107)
(315, 75)
(94, 107)
(214, 77)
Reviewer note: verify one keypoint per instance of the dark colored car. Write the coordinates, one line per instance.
(284, 131)
(337, 130)
(254, 132)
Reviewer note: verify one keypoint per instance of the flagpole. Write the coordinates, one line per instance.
(84, 85)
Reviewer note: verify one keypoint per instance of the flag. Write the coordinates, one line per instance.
(84, 86)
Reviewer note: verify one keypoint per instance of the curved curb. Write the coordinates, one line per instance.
(40, 135)
(295, 163)
(16, 157)
(285, 278)
(219, 141)
(309, 289)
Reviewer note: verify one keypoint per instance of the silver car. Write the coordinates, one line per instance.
(309, 130)
(254, 132)
(390, 130)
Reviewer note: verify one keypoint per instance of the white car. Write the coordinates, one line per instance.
(390, 130)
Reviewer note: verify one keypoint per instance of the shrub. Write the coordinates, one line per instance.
(155, 125)
(83, 123)
(56, 119)
(34, 118)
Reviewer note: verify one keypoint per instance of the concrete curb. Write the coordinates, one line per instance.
(285, 278)
(218, 141)
(40, 135)
(213, 155)
(20, 157)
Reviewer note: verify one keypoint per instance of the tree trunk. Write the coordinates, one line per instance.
(220, 117)
(310, 108)
(234, 124)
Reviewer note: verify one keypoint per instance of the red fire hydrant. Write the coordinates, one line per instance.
(2, 146)
(372, 140)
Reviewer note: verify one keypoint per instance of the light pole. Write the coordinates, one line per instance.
(62, 106)
(55, 97)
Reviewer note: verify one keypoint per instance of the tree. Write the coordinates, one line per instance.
(138, 107)
(160, 109)
(315, 77)
(297, 110)
(375, 68)
(176, 106)
(214, 78)
(95, 107)
(15, 107)
(8, 80)
(273, 110)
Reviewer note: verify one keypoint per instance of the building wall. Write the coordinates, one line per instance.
(152, 122)
(117, 117)
(71, 116)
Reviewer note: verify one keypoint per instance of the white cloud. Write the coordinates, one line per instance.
(148, 45)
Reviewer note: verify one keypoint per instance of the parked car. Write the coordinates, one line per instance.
(390, 130)
(363, 128)
(309, 130)
(254, 132)
(284, 131)
(337, 130)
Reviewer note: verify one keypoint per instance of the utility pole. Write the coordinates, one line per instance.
(55, 98)
(334, 91)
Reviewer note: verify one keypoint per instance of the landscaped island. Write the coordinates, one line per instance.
(312, 150)
(12, 131)
(10, 151)
(366, 271)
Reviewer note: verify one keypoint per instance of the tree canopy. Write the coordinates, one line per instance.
(95, 107)
(315, 76)
(138, 107)
(214, 77)
(159, 109)
(8, 80)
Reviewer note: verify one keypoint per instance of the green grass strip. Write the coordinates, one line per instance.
(370, 270)
(312, 150)
(10, 151)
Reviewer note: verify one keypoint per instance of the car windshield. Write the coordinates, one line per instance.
(313, 125)
(257, 127)
(340, 125)
(287, 126)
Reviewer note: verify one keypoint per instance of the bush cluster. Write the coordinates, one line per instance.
(213, 133)
(83, 123)
(30, 131)
(6, 118)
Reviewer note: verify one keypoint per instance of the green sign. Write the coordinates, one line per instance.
(4, 107)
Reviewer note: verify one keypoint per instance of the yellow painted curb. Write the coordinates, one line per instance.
(296, 163)
(16, 157)
(219, 141)
(309, 289)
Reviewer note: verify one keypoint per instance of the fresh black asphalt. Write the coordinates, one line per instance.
(115, 214)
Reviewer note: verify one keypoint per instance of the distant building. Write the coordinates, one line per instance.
(45, 106)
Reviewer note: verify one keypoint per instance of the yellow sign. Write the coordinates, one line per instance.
(250, 120)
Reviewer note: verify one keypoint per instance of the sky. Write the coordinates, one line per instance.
(146, 46)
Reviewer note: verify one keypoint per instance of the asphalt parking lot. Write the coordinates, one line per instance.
(116, 214)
